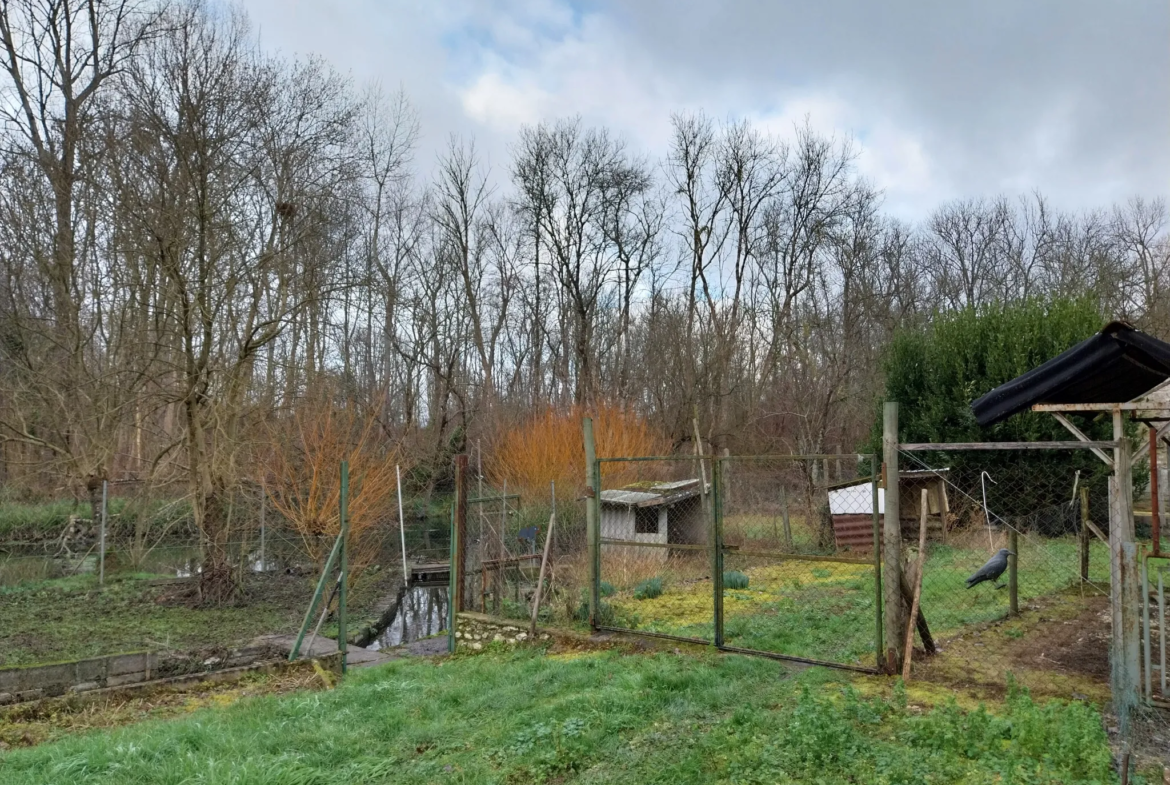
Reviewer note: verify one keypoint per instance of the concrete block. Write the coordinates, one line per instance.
(6, 698)
(126, 678)
(126, 663)
(29, 695)
(85, 686)
(90, 670)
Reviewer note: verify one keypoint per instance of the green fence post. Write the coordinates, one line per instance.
(875, 471)
(1013, 583)
(717, 546)
(296, 649)
(453, 577)
(341, 631)
(592, 523)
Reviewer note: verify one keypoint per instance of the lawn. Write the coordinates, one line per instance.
(522, 717)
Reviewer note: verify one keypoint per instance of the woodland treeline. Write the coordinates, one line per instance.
(199, 238)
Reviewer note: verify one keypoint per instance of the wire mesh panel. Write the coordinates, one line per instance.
(1016, 579)
(655, 547)
(798, 576)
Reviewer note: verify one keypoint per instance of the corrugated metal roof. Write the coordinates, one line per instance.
(1116, 365)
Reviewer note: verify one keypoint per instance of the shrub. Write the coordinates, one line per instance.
(607, 590)
(549, 447)
(648, 589)
(734, 579)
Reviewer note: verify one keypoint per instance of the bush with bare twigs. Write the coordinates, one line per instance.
(305, 479)
(549, 447)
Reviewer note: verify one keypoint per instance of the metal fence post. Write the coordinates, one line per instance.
(102, 535)
(879, 645)
(592, 534)
(717, 546)
(263, 511)
(342, 594)
(894, 608)
(1083, 540)
(454, 579)
(1013, 584)
(459, 563)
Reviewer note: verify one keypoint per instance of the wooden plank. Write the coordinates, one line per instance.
(1129, 406)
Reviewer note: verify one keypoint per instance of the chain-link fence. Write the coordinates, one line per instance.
(1016, 577)
(767, 555)
(124, 574)
(505, 534)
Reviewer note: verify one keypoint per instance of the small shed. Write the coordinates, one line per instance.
(667, 513)
(851, 508)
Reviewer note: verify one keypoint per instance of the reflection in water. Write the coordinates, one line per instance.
(422, 612)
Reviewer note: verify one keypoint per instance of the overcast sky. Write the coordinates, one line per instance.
(944, 98)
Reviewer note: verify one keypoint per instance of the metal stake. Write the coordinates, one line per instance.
(102, 536)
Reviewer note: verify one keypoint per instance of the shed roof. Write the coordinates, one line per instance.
(653, 494)
(1116, 365)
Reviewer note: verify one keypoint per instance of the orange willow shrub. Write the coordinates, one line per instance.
(304, 468)
(550, 447)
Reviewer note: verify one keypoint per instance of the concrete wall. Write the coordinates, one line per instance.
(116, 670)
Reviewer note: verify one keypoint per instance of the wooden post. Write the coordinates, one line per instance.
(460, 564)
(1013, 582)
(909, 647)
(1084, 534)
(552, 520)
(893, 606)
(592, 524)
(1155, 511)
(1125, 657)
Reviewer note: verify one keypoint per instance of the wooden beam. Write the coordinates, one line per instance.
(962, 446)
(1075, 431)
(1129, 406)
(1144, 447)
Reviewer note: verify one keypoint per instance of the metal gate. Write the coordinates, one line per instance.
(767, 555)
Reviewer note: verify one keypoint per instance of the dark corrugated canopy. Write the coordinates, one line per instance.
(1116, 365)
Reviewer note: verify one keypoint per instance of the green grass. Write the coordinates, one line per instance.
(827, 611)
(593, 718)
(73, 618)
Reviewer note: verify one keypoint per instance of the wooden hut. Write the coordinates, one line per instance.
(851, 508)
(667, 513)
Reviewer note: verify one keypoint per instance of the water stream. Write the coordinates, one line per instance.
(420, 613)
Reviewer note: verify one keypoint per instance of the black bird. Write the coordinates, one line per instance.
(993, 569)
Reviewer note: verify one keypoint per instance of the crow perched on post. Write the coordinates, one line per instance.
(992, 570)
